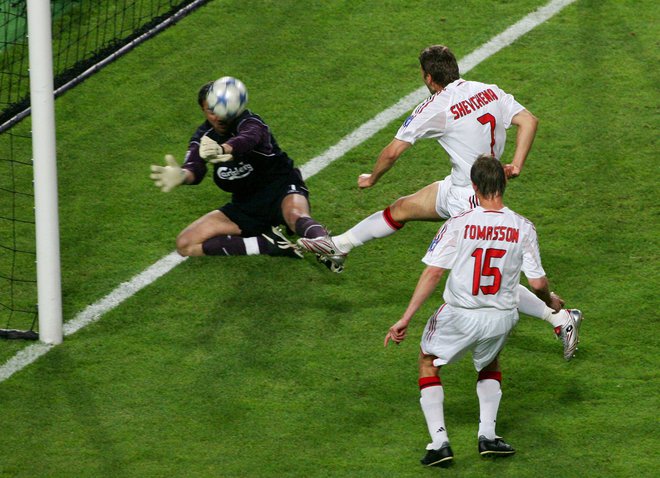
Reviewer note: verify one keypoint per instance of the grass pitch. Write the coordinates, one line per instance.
(265, 367)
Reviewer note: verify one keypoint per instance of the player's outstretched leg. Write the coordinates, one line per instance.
(327, 253)
(332, 251)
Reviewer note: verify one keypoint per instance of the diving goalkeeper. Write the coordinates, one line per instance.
(266, 190)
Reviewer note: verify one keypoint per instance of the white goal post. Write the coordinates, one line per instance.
(49, 282)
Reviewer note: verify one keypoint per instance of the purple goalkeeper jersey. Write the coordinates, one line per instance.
(258, 159)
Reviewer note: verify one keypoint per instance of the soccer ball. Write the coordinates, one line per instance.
(227, 97)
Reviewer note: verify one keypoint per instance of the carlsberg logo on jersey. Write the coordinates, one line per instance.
(237, 172)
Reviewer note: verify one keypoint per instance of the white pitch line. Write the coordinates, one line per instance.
(407, 103)
(95, 311)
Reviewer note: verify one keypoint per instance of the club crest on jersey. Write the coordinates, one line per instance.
(419, 109)
(437, 237)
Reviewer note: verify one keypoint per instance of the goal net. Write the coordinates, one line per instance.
(86, 35)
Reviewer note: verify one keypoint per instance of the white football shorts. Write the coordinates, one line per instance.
(452, 331)
(452, 200)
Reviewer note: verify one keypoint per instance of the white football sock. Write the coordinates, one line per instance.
(489, 393)
(346, 241)
(558, 318)
(372, 227)
(531, 305)
(251, 246)
(432, 405)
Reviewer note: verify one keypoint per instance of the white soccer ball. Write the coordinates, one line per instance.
(227, 98)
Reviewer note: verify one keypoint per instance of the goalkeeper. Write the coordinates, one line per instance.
(267, 191)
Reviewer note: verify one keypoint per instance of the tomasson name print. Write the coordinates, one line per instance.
(491, 233)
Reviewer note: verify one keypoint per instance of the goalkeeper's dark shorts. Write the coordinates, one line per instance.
(256, 214)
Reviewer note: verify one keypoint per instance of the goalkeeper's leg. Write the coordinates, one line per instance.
(248, 246)
(215, 234)
(214, 224)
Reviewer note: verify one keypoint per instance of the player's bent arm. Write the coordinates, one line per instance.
(541, 288)
(386, 159)
(426, 284)
(249, 135)
(527, 124)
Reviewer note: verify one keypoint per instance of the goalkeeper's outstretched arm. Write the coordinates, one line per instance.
(171, 175)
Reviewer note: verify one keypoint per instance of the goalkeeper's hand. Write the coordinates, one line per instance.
(212, 152)
(168, 177)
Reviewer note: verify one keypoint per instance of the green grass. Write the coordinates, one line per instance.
(262, 367)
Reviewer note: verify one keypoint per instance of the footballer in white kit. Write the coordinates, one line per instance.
(486, 251)
(467, 118)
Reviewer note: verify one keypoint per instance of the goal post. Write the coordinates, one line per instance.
(42, 99)
(64, 42)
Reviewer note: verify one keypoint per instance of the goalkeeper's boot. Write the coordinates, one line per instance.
(494, 447)
(569, 331)
(443, 456)
(327, 252)
(281, 245)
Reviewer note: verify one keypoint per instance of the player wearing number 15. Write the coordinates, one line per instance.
(486, 249)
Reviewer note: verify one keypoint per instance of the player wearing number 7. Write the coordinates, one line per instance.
(467, 118)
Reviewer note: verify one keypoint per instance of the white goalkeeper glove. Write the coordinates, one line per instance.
(212, 152)
(167, 177)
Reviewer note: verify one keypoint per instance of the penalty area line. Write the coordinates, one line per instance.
(94, 312)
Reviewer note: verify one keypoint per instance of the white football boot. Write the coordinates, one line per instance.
(569, 331)
(327, 253)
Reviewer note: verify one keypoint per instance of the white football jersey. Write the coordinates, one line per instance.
(486, 251)
(468, 118)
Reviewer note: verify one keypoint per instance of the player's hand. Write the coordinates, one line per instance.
(556, 302)
(212, 152)
(365, 181)
(167, 177)
(511, 171)
(397, 333)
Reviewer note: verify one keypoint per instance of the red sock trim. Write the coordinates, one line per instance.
(485, 375)
(425, 382)
(387, 214)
